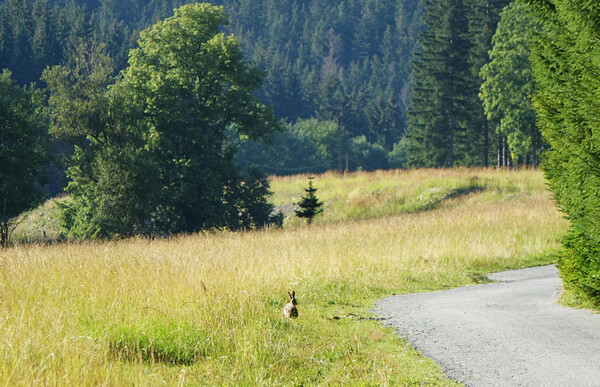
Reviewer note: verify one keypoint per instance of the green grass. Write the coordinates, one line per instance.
(206, 309)
(41, 224)
(369, 195)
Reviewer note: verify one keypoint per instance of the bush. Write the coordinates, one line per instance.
(367, 155)
(397, 158)
(579, 264)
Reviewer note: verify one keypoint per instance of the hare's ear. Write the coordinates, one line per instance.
(293, 294)
(289, 294)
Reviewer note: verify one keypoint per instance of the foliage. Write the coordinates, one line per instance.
(316, 56)
(41, 33)
(349, 62)
(24, 149)
(398, 156)
(151, 154)
(508, 84)
(312, 146)
(191, 82)
(446, 126)
(438, 111)
(112, 174)
(566, 68)
(310, 206)
(484, 16)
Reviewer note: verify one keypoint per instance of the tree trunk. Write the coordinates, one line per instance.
(450, 155)
(499, 152)
(339, 129)
(3, 234)
(486, 143)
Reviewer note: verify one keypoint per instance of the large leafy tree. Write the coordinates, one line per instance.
(567, 71)
(508, 83)
(23, 152)
(112, 174)
(151, 155)
(192, 84)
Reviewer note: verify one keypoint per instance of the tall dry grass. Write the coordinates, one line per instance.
(206, 309)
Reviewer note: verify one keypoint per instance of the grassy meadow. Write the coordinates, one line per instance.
(206, 309)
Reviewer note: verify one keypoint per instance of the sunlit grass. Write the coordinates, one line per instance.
(367, 195)
(207, 309)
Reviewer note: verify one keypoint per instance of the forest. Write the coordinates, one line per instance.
(339, 74)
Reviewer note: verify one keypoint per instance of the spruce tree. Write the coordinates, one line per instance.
(310, 206)
(439, 108)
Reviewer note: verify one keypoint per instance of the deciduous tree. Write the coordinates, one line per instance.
(23, 152)
(192, 83)
(151, 151)
(508, 84)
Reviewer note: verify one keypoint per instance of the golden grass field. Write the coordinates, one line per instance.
(206, 309)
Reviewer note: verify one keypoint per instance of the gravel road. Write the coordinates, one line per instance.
(508, 333)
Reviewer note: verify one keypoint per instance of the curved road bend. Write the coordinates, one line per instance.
(509, 333)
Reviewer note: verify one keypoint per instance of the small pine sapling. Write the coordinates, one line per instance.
(309, 205)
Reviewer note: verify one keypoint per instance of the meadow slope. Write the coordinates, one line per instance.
(207, 308)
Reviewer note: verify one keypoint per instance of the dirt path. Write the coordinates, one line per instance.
(510, 333)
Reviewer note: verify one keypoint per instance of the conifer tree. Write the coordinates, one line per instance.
(310, 206)
(566, 68)
(439, 109)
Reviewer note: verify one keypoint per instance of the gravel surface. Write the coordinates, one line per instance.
(509, 333)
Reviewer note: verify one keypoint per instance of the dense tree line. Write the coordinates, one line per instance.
(447, 123)
(400, 80)
(346, 62)
(357, 84)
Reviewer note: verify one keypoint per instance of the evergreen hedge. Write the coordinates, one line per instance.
(566, 62)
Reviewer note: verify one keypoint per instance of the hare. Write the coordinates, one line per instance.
(290, 310)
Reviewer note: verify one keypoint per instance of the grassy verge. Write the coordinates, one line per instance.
(207, 309)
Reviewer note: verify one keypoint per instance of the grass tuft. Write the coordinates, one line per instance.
(159, 340)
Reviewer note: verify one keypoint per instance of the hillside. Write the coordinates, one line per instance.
(318, 56)
(207, 308)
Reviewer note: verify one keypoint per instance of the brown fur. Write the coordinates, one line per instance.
(290, 310)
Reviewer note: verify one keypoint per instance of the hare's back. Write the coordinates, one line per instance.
(290, 311)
